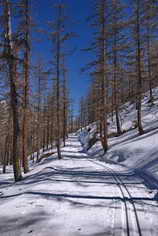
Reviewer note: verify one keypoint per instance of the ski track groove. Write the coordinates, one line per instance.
(122, 187)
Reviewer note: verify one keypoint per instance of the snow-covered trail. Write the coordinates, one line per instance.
(77, 195)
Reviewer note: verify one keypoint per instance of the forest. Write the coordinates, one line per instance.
(124, 46)
(39, 116)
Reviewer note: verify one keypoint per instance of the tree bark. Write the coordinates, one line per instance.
(139, 73)
(26, 92)
(12, 66)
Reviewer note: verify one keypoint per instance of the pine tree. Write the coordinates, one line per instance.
(137, 35)
(65, 103)
(59, 37)
(25, 11)
(102, 75)
(150, 28)
(117, 45)
(10, 56)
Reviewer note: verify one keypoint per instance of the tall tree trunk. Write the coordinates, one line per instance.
(26, 91)
(139, 73)
(12, 65)
(104, 139)
(58, 133)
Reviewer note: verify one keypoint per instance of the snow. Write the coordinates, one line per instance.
(131, 150)
(58, 198)
(78, 195)
(72, 196)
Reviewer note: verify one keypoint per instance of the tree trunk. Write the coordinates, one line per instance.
(58, 85)
(26, 93)
(139, 73)
(104, 138)
(12, 65)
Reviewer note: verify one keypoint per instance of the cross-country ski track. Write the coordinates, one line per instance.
(77, 195)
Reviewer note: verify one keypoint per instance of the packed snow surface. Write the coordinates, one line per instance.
(74, 196)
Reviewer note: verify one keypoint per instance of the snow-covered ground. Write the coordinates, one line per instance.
(88, 193)
(131, 150)
(77, 195)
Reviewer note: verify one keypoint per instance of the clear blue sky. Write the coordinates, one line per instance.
(78, 11)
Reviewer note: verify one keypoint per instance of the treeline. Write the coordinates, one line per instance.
(35, 108)
(126, 62)
(35, 99)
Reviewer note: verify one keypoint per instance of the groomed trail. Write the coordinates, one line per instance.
(77, 195)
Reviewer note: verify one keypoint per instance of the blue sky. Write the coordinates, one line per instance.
(78, 11)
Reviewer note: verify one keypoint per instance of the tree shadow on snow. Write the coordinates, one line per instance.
(25, 222)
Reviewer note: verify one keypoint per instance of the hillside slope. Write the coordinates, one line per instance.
(139, 153)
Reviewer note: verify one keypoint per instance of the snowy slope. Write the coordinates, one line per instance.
(130, 149)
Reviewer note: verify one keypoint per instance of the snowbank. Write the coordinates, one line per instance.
(86, 135)
(130, 149)
(136, 153)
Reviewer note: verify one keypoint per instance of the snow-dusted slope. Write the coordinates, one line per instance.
(130, 149)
